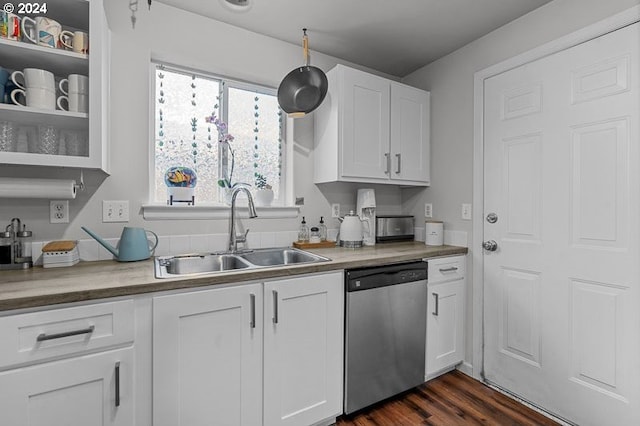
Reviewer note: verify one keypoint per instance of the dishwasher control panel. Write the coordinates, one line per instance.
(382, 276)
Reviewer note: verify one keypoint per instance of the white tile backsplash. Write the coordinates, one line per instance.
(456, 238)
(88, 250)
(168, 245)
(103, 253)
(200, 243)
(180, 244)
(268, 239)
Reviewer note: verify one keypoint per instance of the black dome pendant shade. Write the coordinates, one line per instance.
(304, 88)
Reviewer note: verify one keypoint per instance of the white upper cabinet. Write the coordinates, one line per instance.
(371, 129)
(54, 137)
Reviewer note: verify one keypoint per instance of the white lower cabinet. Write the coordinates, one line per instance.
(445, 315)
(210, 365)
(303, 349)
(70, 366)
(207, 357)
(90, 390)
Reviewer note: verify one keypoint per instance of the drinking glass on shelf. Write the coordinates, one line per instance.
(8, 136)
(75, 143)
(48, 142)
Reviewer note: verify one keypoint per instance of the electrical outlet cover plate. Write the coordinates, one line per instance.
(428, 210)
(335, 210)
(59, 211)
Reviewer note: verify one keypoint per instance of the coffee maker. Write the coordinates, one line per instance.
(366, 210)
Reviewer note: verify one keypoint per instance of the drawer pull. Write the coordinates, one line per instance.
(437, 300)
(452, 269)
(118, 384)
(275, 307)
(253, 311)
(44, 336)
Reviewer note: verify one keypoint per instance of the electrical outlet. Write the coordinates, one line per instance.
(59, 211)
(466, 211)
(428, 210)
(335, 210)
(115, 211)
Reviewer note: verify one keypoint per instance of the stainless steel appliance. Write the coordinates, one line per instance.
(385, 332)
(394, 228)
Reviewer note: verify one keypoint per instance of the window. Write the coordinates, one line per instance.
(183, 137)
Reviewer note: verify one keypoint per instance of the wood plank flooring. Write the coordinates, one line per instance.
(453, 399)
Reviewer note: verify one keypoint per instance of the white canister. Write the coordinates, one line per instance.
(434, 233)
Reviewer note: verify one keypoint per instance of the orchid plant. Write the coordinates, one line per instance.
(224, 137)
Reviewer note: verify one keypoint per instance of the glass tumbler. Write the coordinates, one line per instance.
(8, 136)
(48, 142)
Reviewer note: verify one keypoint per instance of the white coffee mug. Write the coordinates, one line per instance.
(47, 29)
(35, 98)
(34, 78)
(75, 83)
(78, 41)
(76, 102)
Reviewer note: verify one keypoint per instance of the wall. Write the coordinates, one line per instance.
(450, 80)
(183, 38)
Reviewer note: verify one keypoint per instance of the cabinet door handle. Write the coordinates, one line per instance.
(436, 297)
(387, 156)
(118, 384)
(44, 336)
(398, 169)
(451, 269)
(275, 307)
(253, 311)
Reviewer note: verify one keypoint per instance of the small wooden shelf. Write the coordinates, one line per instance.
(323, 244)
(18, 55)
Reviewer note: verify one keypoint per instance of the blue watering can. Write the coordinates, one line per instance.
(134, 244)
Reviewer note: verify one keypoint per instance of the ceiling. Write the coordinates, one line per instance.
(392, 36)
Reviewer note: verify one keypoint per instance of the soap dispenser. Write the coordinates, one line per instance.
(323, 229)
(303, 232)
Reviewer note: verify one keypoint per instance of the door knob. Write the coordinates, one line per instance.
(492, 218)
(490, 245)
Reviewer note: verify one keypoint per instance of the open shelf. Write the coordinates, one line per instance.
(17, 55)
(24, 115)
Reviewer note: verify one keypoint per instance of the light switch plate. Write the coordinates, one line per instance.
(115, 211)
(466, 211)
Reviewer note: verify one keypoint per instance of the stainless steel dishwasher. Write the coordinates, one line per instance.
(385, 332)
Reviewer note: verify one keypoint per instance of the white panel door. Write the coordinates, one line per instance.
(207, 357)
(303, 349)
(562, 302)
(365, 125)
(410, 133)
(92, 390)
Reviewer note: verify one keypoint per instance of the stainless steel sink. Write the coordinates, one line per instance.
(198, 264)
(201, 264)
(280, 256)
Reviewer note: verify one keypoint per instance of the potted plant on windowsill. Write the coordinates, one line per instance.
(264, 193)
(224, 137)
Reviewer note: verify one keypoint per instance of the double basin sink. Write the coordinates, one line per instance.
(200, 264)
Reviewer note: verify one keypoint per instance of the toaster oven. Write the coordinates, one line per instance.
(394, 228)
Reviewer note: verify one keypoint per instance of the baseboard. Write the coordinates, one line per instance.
(466, 368)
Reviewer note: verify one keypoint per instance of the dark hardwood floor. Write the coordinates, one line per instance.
(453, 399)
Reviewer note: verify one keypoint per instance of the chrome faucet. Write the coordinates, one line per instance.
(234, 238)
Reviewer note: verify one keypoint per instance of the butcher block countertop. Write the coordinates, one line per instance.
(96, 280)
